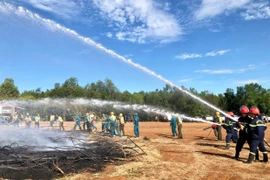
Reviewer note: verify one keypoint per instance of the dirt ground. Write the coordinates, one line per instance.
(198, 156)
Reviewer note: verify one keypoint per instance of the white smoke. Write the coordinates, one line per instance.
(40, 140)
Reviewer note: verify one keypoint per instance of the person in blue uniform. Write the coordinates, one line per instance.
(255, 132)
(136, 124)
(173, 125)
(229, 125)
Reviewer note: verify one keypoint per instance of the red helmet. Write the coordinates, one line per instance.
(254, 110)
(244, 109)
(230, 113)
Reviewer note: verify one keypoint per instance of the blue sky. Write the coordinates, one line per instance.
(203, 44)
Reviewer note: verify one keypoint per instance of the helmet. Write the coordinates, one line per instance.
(244, 109)
(136, 114)
(112, 113)
(230, 113)
(217, 113)
(120, 114)
(87, 114)
(254, 110)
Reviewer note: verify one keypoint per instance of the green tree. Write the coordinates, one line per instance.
(230, 100)
(111, 89)
(8, 90)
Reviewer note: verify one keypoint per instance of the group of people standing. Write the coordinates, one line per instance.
(251, 129)
(18, 119)
(110, 123)
(88, 122)
(113, 124)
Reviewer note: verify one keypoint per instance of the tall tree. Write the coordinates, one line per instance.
(111, 89)
(8, 90)
(231, 100)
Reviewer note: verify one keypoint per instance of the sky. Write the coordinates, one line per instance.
(208, 45)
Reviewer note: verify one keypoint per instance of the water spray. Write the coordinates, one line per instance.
(52, 25)
(101, 103)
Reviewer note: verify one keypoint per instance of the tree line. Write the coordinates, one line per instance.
(169, 98)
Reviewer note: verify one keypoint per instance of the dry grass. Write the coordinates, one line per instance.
(196, 157)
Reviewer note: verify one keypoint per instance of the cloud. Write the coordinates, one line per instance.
(194, 55)
(140, 21)
(63, 8)
(247, 82)
(227, 71)
(109, 35)
(257, 11)
(185, 80)
(258, 81)
(216, 53)
(214, 30)
(128, 55)
(221, 71)
(188, 56)
(212, 8)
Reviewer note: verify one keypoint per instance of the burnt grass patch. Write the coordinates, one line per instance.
(91, 154)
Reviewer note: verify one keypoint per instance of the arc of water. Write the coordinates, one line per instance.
(115, 104)
(53, 25)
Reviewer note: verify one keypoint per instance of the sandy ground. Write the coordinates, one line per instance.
(198, 156)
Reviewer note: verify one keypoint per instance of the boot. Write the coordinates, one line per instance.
(257, 159)
(236, 155)
(250, 159)
(227, 146)
(265, 157)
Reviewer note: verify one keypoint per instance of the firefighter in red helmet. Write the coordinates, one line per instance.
(255, 131)
(242, 124)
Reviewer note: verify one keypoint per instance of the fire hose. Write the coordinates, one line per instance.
(266, 142)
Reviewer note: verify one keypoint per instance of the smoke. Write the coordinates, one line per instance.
(40, 140)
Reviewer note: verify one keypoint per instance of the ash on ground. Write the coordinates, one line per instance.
(61, 153)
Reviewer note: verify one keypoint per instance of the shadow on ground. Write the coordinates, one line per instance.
(166, 136)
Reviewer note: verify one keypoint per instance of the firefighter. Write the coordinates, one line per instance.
(61, 123)
(37, 119)
(27, 120)
(217, 130)
(105, 122)
(78, 122)
(114, 128)
(179, 127)
(52, 119)
(112, 116)
(86, 122)
(136, 125)
(92, 127)
(242, 124)
(173, 125)
(255, 132)
(122, 124)
(229, 125)
(16, 120)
